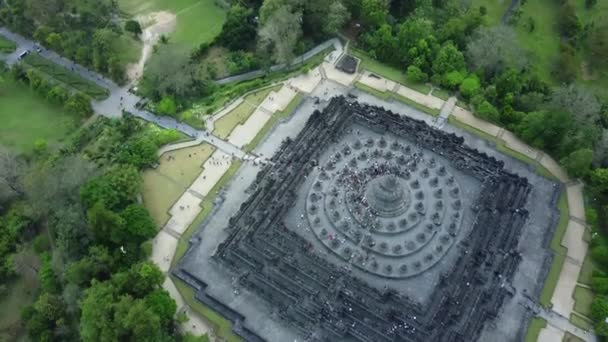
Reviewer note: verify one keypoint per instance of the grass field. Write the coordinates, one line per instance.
(568, 337)
(6, 45)
(27, 117)
(175, 173)
(129, 49)
(240, 114)
(62, 75)
(544, 41)
(583, 298)
(198, 21)
(581, 322)
(587, 271)
(495, 9)
(536, 324)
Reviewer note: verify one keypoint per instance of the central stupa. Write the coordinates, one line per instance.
(388, 196)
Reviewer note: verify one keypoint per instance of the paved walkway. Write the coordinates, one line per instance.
(446, 111)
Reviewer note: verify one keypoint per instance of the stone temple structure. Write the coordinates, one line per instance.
(371, 227)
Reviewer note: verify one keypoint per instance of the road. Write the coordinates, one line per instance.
(120, 98)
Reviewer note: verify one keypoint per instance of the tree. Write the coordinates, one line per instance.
(280, 33)
(487, 111)
(599, 179)
(494, 49)
(117, 188)
(107, 225)
(453, 79)
(590, 3)
(139, 225)
(544, 129)
(79, 105)
(40, 146)
(12, 169)
(597, 43)
(374, 12)
(416, 75)
(133, 27)
(139, 151)
(53, 41)
(167, 106)
(448, 59)
(578, 162)
(599, 308)
(335, 18)
(239, 29)
(470, 86)
(162, 304)
(567, 21)
(383, 44)
(70, 231)
(581, 103)
(54, 187)
(170, 72)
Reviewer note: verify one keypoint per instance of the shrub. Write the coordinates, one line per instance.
(487, 111)
(41, 243)
(40, 146)
(167, 106)
(453, 79)
(577, 164)
(470, 86)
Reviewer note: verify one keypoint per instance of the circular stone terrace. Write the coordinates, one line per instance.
(385, 207)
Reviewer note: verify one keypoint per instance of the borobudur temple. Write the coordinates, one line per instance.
(370, 226)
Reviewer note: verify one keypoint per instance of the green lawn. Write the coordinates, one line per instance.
(544, 41)
(536, 324)
(62, 75)
(198, 21)
(581, 322)
(568, 337)
(242, 112)
(6, 45)
(175, 173)
(583, 298)
(274, 119)
(587, 271)
(129, 49)
(495, 9)
(27, 117)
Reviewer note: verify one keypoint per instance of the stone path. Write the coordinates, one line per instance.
(446, 111)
